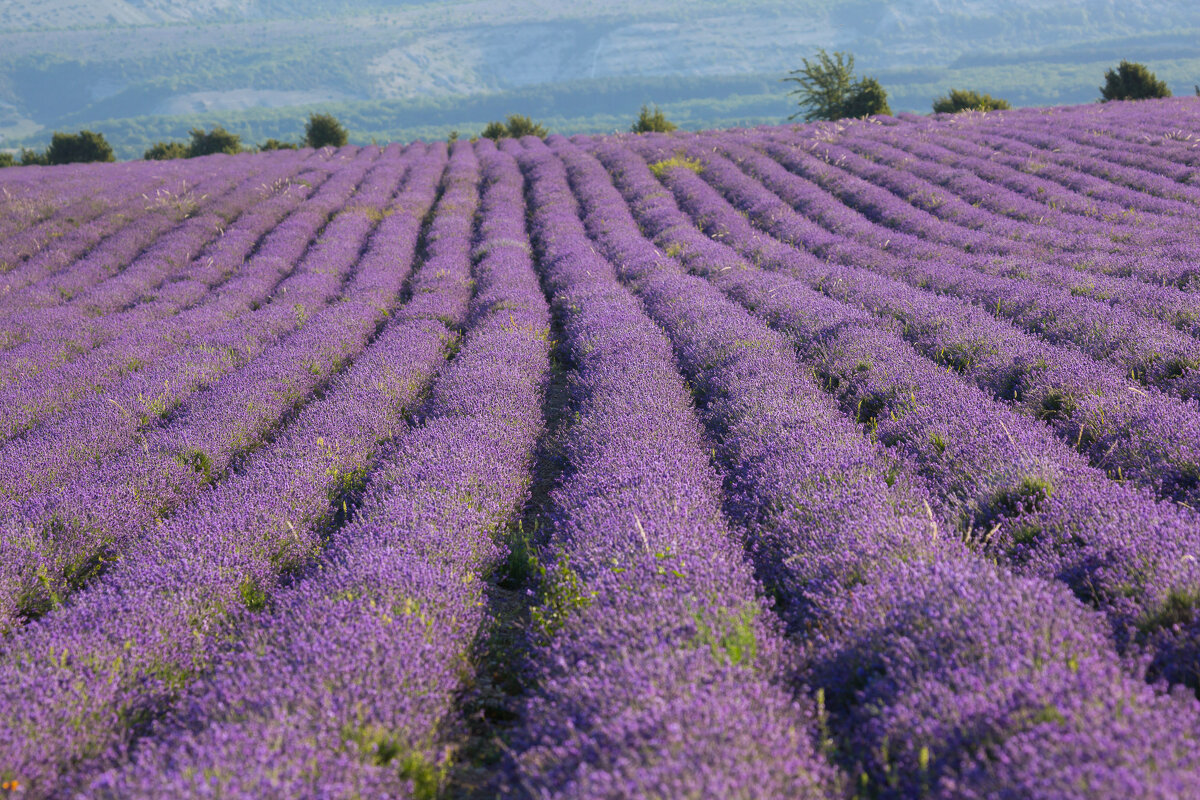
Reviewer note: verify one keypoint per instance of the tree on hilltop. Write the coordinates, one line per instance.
(276, 144)
(165, 151)
(74, 148)
(516, 126)
(324, 130)
(217, 140)
(868, 99)
(968, 100)
(1132, 81)
(827, 89)
(652, 122)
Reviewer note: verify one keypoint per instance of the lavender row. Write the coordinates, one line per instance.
(110, 290)
(64, 329)
(1152, 352)
(1000, 479)
(289, 256)
(1132, 433)
(36, 212)
(100, 351)
(84, 212)
(1139, 208)
(1069, 165)
(861, 153)
(941, 675)
(657, 668)
(1141, 188)
(1082, 191)
(1026, 188)
(1159, 145)
(1158, 260)
(1151, 244)
(172, 606)
(51, 283)
(342, 688)
(28, 199)
(137, 471)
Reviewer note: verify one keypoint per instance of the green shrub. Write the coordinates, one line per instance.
(7, 160)
(276, 144)
(515, 127)
(968, 100)
(31, 157)
(867, 99)
(652, 121)
(217, 140)
(74, 148)
(659, 168)
(827, 89)
(323, 130)
(165, 151)
(1131, 81)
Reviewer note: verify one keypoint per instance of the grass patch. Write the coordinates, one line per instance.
(660, 168)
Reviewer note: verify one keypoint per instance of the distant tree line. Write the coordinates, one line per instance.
(826, 88)
(65, 148)
(518, 125)
(321, 130)
(514, 127)
(968, 100)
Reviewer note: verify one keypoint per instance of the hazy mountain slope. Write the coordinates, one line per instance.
(69, 63)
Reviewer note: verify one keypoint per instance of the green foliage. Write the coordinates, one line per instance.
(968, 100)
(827, 89)
(216, 140)
(1179, 608)
(1014, 502)
(346, 484)
(7, 160)
(164, 151)
(427, 777)
(562, 595)
(731, 638)
(1026, 496)
(652, 121)
(199, 461)
(74, 148)
(515, 127)
(323, 130)
(660, 168)
(822, 86)
(276, 144)
(252, 595)
(521, 563)
(382, 747)
(494, 130)
(867, 99)
(33, 157)
(1132, 81)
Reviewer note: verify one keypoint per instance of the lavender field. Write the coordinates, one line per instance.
(823, 461)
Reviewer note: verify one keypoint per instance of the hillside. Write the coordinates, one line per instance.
(149, 70)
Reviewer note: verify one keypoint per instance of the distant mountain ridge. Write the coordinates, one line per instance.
(155, 66)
